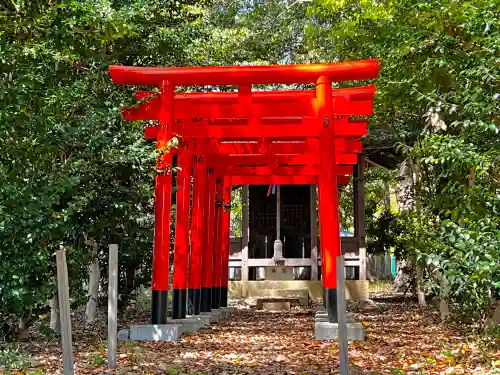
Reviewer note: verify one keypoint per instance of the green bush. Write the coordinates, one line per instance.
(11, 358)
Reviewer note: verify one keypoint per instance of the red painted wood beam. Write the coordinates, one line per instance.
(274, 180)
(281, 180)
(309, 129)
(249, 160)
(308, 170)
(279, 160)
(304, 107)
(238, 75)
(351, 101)
(254, 148)
(345, 151)
(199, 97)
(308, 145)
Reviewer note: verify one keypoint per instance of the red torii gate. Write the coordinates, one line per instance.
(237, 138)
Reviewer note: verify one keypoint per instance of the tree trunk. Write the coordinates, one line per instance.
(418, 283)
(404, 190)
(370, 268)
(94, 279)
(404, 278)
(405, 200)
(387, 198)
(388, 265)
(55, 319)
(387, 260)
(23, 327)
(493, 322)
(444, 308)
(418, 268)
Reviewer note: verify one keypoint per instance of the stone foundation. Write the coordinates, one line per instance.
(226, 312)
(161, 332)
(356, 290)
(330, 331)
(322, 316)
(204, 319)
(215, 316)
(188, 324)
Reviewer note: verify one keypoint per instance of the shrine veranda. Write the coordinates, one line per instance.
(245, 137)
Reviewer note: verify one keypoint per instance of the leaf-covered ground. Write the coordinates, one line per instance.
(400, 338)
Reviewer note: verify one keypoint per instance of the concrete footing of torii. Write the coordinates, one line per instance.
(175, 328)
(324, 330)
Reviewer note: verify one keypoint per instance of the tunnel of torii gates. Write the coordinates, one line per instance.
(245, 137)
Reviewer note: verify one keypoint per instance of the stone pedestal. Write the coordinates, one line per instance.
(322, 316)
(226, 312)
(188, 324)
(123, 335)
(214, 315)
(330, 331)
(204, 319)
(160, 332)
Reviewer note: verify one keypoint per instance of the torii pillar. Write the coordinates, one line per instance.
(163, 202)
(328, 199)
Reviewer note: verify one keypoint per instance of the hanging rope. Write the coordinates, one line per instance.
(278, 245)
(278, 212)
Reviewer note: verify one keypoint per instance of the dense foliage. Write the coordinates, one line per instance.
(438, 99)
(70, 169)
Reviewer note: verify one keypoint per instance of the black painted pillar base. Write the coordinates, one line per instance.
(179, 302)
(159, 306)
(206, 300)
(223, 296)
(331, 304)
(194, 303)
(216, 297)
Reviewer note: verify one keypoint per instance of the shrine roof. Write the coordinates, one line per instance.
(387, 157)
(241, 75)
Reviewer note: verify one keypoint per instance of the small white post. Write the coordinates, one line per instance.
(342, 316)
(244, 233)
(64, 310)
(112, 304)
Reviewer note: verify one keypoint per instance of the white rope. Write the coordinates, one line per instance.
(278, 212)
(278, 245)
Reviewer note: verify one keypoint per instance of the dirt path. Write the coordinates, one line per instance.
(401, 338)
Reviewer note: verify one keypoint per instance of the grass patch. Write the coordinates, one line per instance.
(12, 358)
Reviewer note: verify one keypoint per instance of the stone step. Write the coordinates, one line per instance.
(226, 312)
(205, 319)
(153, 332)
(190, 324)
(322, 316)
(330, 331)
(215, 316)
